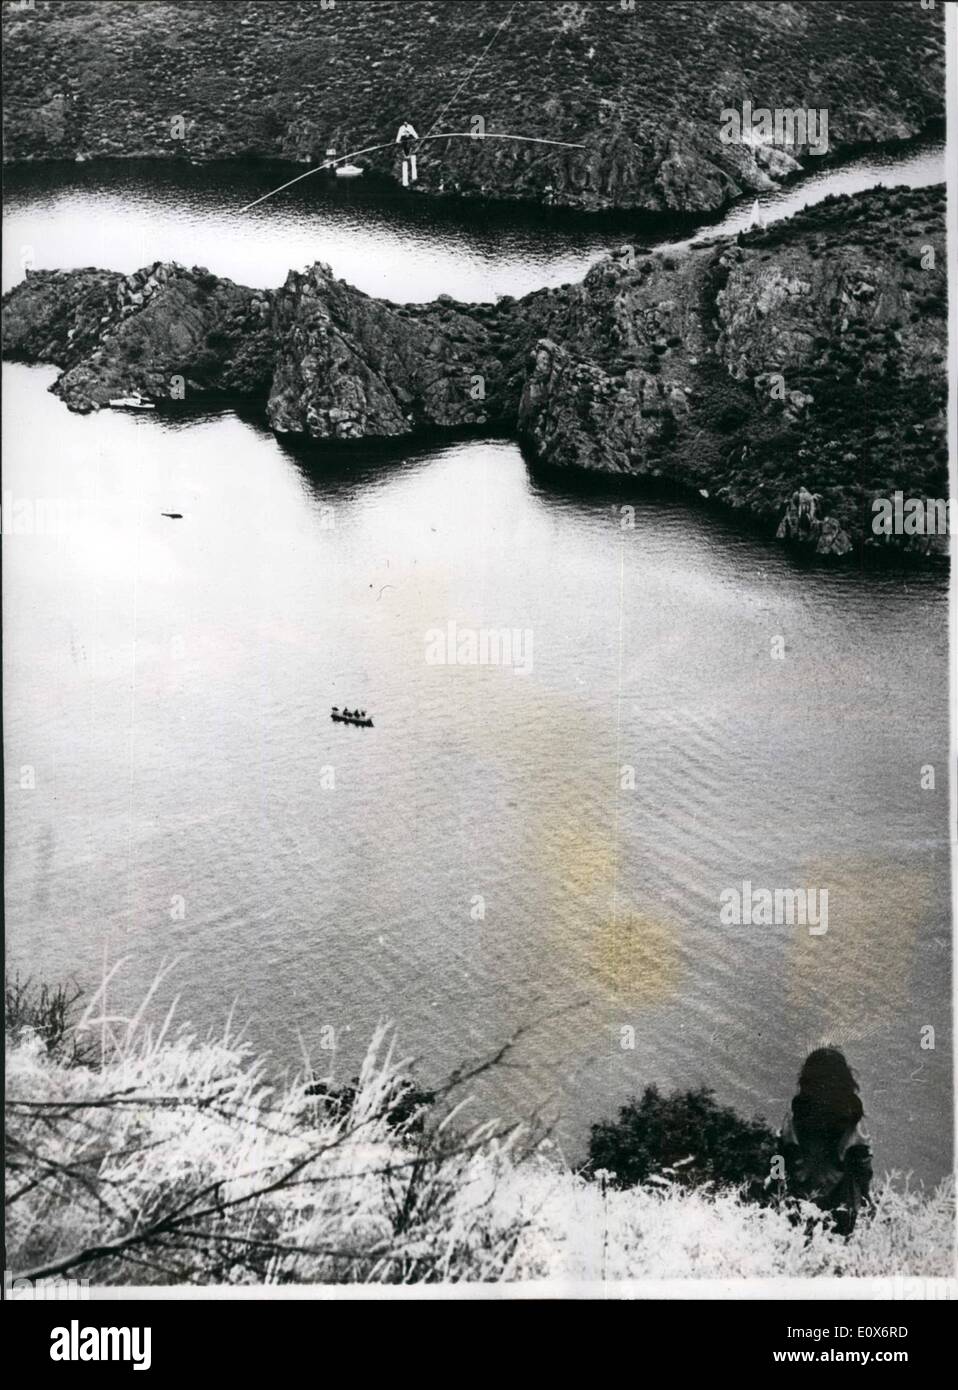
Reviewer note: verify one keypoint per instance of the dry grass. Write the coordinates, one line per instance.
(172, 1159)
(663, 1231)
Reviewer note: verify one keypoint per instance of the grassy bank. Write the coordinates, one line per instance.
(139, 1154)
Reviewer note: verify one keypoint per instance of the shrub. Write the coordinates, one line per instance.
(45, 1012)
(686, 1136)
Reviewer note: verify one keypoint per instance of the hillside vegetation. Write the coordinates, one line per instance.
(642, 89)
(139, 1155)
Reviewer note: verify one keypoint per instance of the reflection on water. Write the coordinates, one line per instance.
(169, 683)
(400, 246)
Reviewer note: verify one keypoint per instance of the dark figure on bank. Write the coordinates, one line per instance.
(826, 1149)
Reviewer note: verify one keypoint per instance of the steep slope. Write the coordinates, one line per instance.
(642, 87)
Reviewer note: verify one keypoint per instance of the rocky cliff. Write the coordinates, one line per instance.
(641, 86)
(792, 374)
(809, 355)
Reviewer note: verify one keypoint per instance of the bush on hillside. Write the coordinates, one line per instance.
(45, 1012)
(685, 1136)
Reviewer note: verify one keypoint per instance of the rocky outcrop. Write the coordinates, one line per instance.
(792, 374)
(804, 524)
(60, 316)
(808, 356)
(163, 331)
(642, 88)
(348, 366)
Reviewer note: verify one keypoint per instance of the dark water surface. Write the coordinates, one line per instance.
(170, 681)
(122, 215)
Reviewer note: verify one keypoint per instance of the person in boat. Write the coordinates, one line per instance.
(405, 139)
(827, 1151)
(346, 714)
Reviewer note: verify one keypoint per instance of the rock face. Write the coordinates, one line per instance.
(641, 86)
(793, 374)
(163, 331)
(810, 355)
(804, 524)
(349, 366)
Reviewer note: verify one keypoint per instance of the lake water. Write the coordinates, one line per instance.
(407, 248)
(473, 863)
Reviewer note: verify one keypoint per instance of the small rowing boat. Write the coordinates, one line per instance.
(358, 717)
(132, 402)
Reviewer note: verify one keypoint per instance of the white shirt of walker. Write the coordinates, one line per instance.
(407, 134)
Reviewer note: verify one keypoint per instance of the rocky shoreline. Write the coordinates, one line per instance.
(791, 374)
(642, 89)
